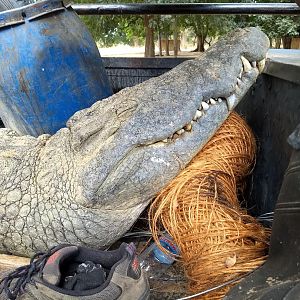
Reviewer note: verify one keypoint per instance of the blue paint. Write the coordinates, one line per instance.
(50, 68)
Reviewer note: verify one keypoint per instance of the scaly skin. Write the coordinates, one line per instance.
(89, 182)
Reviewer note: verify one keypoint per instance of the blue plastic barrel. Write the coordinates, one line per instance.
(50, 67)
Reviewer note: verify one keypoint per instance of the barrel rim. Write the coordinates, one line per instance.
(32, 11)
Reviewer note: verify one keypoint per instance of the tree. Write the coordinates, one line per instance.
(164, 28)
(149, 32)
(277, 27)
(114, 29)
(168, 26)
(205, 27)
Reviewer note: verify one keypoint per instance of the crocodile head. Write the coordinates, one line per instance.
(139, 139)
(89, 182)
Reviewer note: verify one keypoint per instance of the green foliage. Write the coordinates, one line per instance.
(211, 26)
(110, 30)
(205, 26)
(275, 26)
(278, 26)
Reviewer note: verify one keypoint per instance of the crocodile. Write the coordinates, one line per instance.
(88, 183)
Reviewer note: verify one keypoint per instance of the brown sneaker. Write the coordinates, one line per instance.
(73, 272)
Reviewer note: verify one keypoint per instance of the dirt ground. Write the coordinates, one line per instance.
(128, 51)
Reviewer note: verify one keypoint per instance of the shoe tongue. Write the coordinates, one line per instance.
(51, 270)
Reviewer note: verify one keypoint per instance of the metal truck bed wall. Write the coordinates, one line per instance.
(124, 72)
(272, 109)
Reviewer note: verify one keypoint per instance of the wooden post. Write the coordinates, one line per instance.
(175, 37)
(167, 45)
(149, 43)
(160, 44)
(11, 262)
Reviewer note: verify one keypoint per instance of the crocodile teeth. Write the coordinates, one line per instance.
(246, 64)
(180, 131)
(212, 101)
(205, 106)
(197, 115)
(253, 64)
(261, 65)
(231, 100)
(188, 127)
(241, 73)
(239, 82)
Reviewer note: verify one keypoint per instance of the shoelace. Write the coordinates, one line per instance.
(23, 275)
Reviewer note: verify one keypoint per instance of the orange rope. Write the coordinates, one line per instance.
(218, 240)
